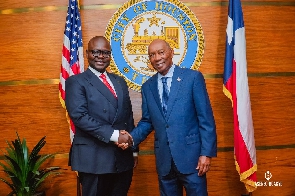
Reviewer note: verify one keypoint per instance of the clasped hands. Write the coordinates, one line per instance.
(124, 140)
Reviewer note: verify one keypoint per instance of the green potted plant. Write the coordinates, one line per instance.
(24, 167)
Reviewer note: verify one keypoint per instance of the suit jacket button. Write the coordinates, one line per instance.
(167, 126)
(104, 110)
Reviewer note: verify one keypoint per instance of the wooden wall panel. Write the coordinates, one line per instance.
(34, 111)
(270, 38)
(93, 24)
(31, 35)
(32, 48)
(273, 103)
(213, 20)
(16, 4)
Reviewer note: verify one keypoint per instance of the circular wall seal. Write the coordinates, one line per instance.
(138, 22)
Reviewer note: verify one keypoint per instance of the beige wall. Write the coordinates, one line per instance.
(31, 36)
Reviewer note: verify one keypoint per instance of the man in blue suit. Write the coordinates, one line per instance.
(99, 105)
(176, 105)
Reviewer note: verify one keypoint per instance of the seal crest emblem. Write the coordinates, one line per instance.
(138, 22)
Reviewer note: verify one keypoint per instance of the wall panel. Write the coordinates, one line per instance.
(32, 46)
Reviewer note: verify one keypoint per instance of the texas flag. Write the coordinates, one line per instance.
(235, 87)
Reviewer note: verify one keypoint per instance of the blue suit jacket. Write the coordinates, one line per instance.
(96, 113)
(187, 131)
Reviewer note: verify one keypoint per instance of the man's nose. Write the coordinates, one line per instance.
(157, 57)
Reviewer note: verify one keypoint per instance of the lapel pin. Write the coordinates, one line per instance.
(178, 79)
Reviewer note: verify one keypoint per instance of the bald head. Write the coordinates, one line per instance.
(159, 41)
(98, 39)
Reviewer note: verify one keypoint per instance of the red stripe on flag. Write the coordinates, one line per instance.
(62, 92)
(66, 53)
(75, 68)
(229, 84)
(64, 73)
(72, 126)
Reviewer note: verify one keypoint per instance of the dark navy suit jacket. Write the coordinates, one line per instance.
(95, 113)
(188, 129)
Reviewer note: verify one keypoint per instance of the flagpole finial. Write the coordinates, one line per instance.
(78, 2)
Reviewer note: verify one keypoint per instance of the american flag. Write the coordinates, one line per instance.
(235, 87)
(72, 53)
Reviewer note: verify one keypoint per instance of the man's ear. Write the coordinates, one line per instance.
(172, 52)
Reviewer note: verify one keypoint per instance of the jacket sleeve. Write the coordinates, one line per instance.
(206, 120)
(144, 126)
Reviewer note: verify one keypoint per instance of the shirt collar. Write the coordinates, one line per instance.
(97, 73)
(169, 74)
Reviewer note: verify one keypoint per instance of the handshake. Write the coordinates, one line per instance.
(124, 140)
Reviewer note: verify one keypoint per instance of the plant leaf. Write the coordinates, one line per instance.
(23, 167)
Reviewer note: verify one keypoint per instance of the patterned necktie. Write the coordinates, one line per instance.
(165, 94)
(104, 80)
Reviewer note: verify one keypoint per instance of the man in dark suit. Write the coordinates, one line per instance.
(99, 105)
(176, 105)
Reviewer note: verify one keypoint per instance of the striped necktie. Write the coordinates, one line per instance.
(165, 94)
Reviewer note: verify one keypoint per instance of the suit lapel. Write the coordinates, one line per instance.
(155, 91)
(176, 84)
(101, 87)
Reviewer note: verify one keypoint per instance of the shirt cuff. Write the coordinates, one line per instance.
(115, 136)
(135, 154)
